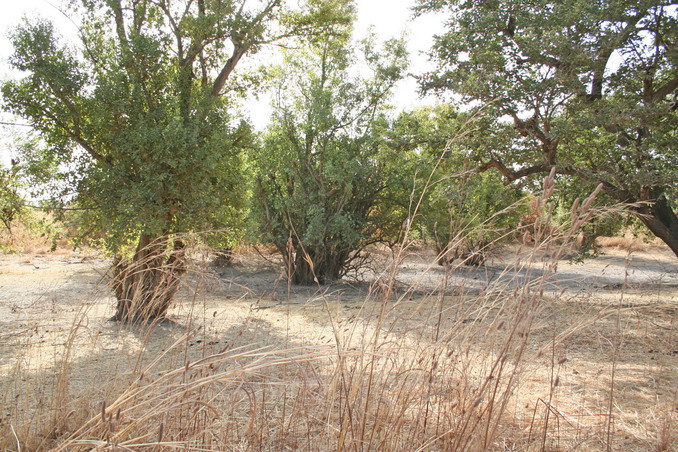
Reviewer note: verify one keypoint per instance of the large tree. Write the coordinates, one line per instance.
(321, 173)
(588, 87)
(138, 115)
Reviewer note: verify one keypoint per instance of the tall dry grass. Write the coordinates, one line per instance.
(411, 368)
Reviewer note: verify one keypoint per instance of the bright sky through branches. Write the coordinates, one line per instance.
(388, 18)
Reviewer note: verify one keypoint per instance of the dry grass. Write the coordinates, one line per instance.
(629, 242)
(516, 365)
(27, 237)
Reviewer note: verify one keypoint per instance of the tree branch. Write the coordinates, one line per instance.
(241, 44)
(512, 175)
(238, 52)
(666, 89)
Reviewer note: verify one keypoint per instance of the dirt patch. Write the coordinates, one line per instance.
(597, 362)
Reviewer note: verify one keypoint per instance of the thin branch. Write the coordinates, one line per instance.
(15, 124)
(665, 90)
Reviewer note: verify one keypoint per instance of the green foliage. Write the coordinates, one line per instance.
(139, 122)
(26, 225)
(321, 174)
(461, 210)
(11, 202)
(138, 118)
(587, 87)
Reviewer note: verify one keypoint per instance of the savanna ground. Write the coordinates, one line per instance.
(527, 352)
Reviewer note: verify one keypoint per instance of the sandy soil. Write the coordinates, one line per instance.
(619, 308)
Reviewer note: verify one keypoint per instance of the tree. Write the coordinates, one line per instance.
(462, 211)
(321, 175)
(139, 118)
(587, 87)
(11, 201)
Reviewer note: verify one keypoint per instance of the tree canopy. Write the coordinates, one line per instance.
(321, 172)
(587, 87)
(139, 118)
(138, 125)
(461, 211)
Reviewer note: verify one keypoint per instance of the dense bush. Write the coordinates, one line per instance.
(321, 175)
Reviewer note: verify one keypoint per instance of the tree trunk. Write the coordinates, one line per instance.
(326, 267)
(661, 220)
(145, 286)
(472, 253)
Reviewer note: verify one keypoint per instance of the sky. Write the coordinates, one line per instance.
(388, 18)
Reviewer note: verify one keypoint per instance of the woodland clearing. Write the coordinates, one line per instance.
(310, 368)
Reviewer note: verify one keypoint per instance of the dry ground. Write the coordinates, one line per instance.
(594, 356)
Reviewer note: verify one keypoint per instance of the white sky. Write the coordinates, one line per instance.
(392, 18)
(389, 18)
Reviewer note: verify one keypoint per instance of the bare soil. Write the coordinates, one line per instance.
(608, 327)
